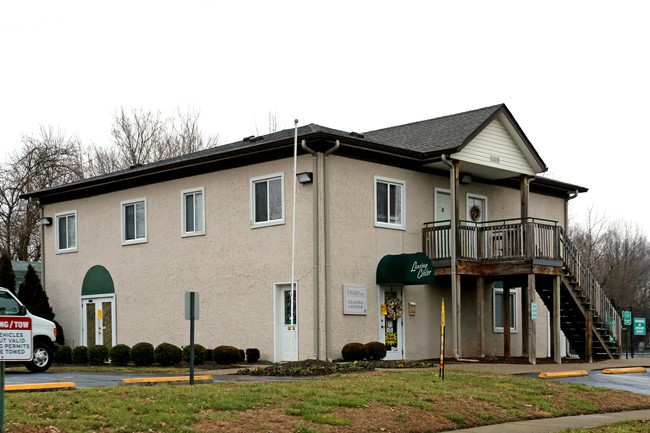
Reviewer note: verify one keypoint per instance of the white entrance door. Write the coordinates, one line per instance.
(442, 217)
(391, 331)
(286, 328)
(476, 213)
(97, 321)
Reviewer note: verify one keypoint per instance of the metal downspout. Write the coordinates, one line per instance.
(327, 243)
(454, 257)
(315, 234)
(566, 210)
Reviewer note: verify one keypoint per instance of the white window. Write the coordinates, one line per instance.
(390, 203)
(497, 309)
(66, 232)
(134, 221)
(267, 200)
(192, 212)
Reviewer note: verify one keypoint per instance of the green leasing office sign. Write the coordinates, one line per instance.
(639, 326)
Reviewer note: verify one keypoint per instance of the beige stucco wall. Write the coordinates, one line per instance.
(234, 267)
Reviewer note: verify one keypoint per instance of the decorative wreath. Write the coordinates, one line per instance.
(475, 213)
(394, 308)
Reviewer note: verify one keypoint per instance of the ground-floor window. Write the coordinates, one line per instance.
(497, 309)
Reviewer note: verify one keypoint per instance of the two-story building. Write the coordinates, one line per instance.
(388, 223)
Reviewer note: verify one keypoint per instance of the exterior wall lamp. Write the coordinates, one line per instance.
(465, 178)
(305, 177)
(46, 221)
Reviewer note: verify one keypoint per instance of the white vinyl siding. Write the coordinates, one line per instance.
(134, 221)
(390, 203)
(496, 142)
(267, 200)
(66, 232)
(192, 212)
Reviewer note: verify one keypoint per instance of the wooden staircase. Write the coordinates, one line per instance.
(588, 319)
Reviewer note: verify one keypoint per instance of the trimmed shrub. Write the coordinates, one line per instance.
(63, 355)
(226, 355)
(120, 355)
(199, 354)
(252, 355)
(97, 355)
(80, 355)
(60, 338)
(209, 354)
(142, 354)
(167, 354)
(242, 355)
(354, 352)
(376, 350)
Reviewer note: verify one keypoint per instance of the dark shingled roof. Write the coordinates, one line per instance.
(435, 135)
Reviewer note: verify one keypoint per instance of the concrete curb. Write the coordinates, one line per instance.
(41, 387)
(559, 374)
(624, 370)
(176, 380)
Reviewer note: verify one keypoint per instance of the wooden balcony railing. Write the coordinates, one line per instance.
(522, 239)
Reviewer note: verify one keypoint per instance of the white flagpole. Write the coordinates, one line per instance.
(294, 343)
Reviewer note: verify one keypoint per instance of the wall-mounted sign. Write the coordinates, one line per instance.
(533, 310)
(355, 300)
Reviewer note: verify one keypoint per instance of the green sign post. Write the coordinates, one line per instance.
(639, 326)
(627, 317)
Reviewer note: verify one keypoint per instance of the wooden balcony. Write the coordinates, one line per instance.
(510, 247)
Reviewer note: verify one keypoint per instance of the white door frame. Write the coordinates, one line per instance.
(437, 191)
(484, 216)
(82, 316)
(399, 355)
(278, 322)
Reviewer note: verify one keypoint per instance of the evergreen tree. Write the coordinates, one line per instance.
(7, 276)
(31, 294)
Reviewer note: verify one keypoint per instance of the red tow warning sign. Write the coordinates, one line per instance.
(15, 338)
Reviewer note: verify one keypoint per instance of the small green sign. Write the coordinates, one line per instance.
(627, 317)
(639, 326)
(533, 310)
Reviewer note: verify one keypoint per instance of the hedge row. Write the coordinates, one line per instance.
(144, 354)
(374, 350)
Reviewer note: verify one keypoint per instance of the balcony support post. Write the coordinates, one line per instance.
(589, 338)
(530, 331)
(555, 322)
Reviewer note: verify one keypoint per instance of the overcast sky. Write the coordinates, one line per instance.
(575, 74)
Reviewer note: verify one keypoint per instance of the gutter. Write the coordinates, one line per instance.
(566, 209)
(454, 258)
(326, 220)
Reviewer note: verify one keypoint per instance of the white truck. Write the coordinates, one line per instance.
(43, 331)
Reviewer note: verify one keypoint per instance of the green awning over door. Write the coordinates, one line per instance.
(406, 269)
(98, 281)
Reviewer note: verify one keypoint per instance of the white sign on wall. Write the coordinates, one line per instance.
(355, 300)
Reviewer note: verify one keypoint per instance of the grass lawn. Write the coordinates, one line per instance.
(378, 401)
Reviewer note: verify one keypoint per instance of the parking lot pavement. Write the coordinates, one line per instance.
(633, 382)
(96, 379)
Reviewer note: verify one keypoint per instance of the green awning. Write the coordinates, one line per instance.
(98, 281)
(405, 269)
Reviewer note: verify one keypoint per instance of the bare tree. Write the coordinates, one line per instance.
(45, 160)
(142, 137)
(618, 254)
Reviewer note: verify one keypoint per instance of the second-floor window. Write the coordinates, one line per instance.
(134, 221)
(390, 199)
(193, 213)
(267, 200)
(66, 232)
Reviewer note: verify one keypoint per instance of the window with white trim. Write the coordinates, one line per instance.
(192, 212)
(390, 203)
(66, 232)
(267, 200)
(497, 309)
(134, 221)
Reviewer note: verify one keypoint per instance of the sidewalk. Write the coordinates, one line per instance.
(540, 368)
(558, 424)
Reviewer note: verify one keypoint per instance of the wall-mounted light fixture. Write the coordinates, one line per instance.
(305, 177)
(46, 221)
(465, 178)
